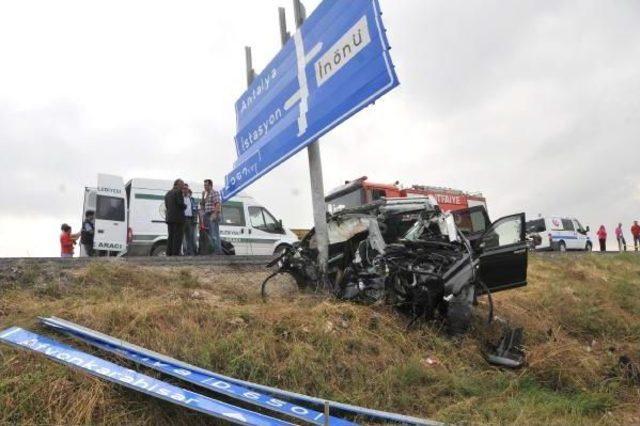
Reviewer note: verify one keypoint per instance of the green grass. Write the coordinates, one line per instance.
(579, 315)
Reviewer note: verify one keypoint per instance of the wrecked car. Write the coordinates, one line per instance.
(411, 255)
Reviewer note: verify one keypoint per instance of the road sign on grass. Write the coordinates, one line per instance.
(335, 64)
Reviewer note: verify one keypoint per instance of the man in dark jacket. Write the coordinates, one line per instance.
(88, 231)
(174, 202)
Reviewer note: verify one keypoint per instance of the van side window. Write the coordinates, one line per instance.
(233, 214)
(109, 208)
(256, 218)
(263, 220)
(536, 225)
(567, 225)
(272, 224)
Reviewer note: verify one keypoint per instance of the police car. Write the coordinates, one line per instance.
(558, 233)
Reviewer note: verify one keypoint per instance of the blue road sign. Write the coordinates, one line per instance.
(111, 372)
(219, 385)
(121, 347)
(337, 63)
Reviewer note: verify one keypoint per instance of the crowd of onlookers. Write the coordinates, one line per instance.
(184, 216)
(619, 233)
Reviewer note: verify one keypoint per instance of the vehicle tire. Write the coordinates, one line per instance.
(562, 247)
(159, 250)
(589, 247)
(459, 312)
(279, 251)
(281, 285)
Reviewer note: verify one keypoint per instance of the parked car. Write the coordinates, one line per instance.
(558, 233)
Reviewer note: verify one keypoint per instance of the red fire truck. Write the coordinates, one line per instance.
(361, 191)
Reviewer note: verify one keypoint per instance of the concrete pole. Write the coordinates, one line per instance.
(315, 171)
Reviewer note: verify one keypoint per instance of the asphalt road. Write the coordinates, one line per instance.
(147, 260)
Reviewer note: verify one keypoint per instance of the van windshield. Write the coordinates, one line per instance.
(536, 225)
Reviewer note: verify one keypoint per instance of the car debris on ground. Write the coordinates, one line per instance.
(409, 254)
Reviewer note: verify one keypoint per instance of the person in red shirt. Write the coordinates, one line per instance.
(635, 231)
(67, 241)
(602, 238)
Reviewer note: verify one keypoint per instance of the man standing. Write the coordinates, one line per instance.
(635, 231)
(174, 203)
(622, 243)
(212, 209)
(190, 214)
(87, 233)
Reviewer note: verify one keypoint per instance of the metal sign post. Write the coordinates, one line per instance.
(334, 65)
(315, 168)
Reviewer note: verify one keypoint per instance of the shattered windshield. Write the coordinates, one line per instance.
(414, 233)
(351, 199)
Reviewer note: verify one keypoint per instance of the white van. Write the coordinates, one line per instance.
(558, 233)
(131, 219)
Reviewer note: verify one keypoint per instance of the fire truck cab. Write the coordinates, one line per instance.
(360, 191)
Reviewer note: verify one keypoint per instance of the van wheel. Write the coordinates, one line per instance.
(589, 247)
(279, 251)
(562, 246)
(159, 250)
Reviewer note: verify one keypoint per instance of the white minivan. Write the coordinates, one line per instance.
(558, 233)
(130, 219)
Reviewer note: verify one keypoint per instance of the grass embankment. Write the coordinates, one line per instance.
(579, 313)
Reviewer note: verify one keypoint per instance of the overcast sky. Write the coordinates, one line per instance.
(534, 103)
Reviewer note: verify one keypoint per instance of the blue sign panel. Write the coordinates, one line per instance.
(98, 367)
(220, 385)
(336, 64)
(96, 338)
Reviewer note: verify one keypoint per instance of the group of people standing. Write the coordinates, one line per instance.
(184, 216)
(622, 242)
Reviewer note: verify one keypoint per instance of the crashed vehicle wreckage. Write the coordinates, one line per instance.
(408, 253)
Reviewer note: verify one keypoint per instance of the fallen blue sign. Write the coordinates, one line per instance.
(106, 370)
(219, 385)
(337, 63)
(90, 336)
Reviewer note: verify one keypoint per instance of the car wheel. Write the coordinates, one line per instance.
(159, 250)
(589, 247)
(459, 312)
(279, 251)
(562, 246)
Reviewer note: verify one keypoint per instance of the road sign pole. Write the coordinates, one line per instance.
(250, 72)
(315, 168)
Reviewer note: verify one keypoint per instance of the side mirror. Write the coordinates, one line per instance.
(587, 229)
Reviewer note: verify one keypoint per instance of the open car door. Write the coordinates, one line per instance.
(503, 254)
(111, 215)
